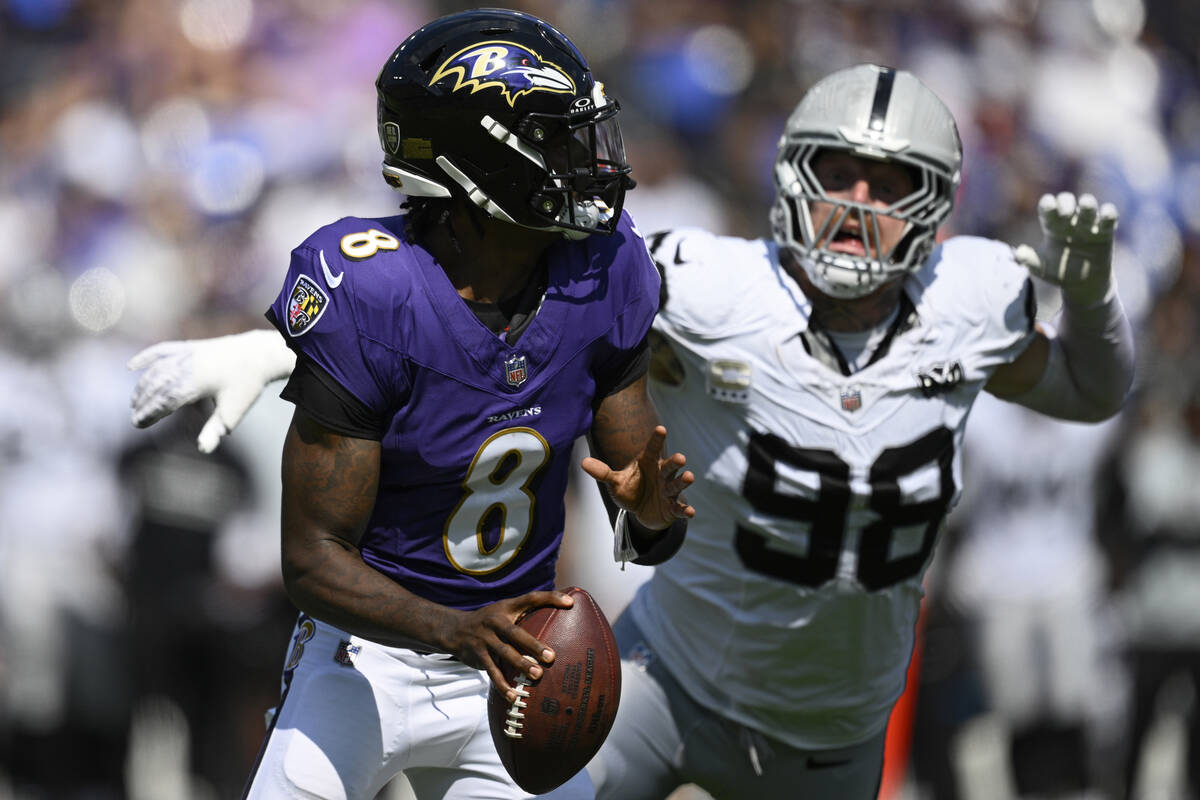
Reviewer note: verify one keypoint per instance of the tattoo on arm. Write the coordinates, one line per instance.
(623, 423)
(330, 480)
(329, 487)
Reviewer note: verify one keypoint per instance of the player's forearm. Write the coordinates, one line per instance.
(1090, 366)
(329, 580)
(1098, 343)
(622, 423)
(329, 489)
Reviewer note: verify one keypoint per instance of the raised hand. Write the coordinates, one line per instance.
(1077, 245)
(650, 487)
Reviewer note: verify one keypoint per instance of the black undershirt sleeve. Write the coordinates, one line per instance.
(614, 380)
(317, 394)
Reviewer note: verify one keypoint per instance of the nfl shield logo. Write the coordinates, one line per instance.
(346, 653)
(851, 399)
(514, 371)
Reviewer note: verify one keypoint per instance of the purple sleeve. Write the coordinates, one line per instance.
(319, 318)
(634, 270)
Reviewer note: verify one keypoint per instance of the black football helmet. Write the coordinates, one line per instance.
(501, 106)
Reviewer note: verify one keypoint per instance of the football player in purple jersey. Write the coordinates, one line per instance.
(445, 362)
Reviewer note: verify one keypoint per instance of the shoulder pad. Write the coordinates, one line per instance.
(980, 291)
(707, 277)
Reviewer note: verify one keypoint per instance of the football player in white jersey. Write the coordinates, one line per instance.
(821, 382)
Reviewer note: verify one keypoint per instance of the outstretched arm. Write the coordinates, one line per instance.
(1082, 370)
(232, 370)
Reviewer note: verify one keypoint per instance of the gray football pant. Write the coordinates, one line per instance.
(662, 739)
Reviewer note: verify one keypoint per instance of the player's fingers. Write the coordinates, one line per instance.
(1107, 222)
(1064, 205)
(497, 677)
(149, 355)
(154, 397)
(669, 467)
(677, 484)
(654, 444)
(545, 597)
(524, 652)
(682, 506)
(145, 416)
(1046, 204)
(511, 659)
(1086, 212)
(519, 606)
(1027, 257)
(211, 433)
(157, 382)
(597, 469)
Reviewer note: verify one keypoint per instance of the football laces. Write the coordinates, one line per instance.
(514, 719)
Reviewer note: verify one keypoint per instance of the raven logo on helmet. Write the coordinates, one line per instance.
(509, 67)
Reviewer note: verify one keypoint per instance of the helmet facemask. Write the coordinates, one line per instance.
(582, 156)
(877, 114)
(847, 275)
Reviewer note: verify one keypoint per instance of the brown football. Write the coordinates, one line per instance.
(549, 735)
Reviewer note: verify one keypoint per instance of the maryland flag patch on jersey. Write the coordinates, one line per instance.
(306, 304)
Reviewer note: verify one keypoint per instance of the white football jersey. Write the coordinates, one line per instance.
(791, 607)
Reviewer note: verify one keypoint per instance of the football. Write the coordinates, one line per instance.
(550, 732)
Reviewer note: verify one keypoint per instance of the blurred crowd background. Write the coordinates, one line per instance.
(160, 158)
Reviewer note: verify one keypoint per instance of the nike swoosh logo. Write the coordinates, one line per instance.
(329, 278)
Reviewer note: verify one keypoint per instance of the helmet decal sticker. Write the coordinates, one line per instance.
(883, 98)
(391, 137)
(513, 69)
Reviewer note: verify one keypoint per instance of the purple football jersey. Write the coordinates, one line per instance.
(475, 460)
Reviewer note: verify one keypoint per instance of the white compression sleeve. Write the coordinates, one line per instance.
(1090, 367)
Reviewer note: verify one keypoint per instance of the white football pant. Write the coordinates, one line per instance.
(353, 714)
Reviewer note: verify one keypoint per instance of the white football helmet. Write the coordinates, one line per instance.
(874, 112)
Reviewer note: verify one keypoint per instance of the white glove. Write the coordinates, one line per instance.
(233, 370)
(1077, 245)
